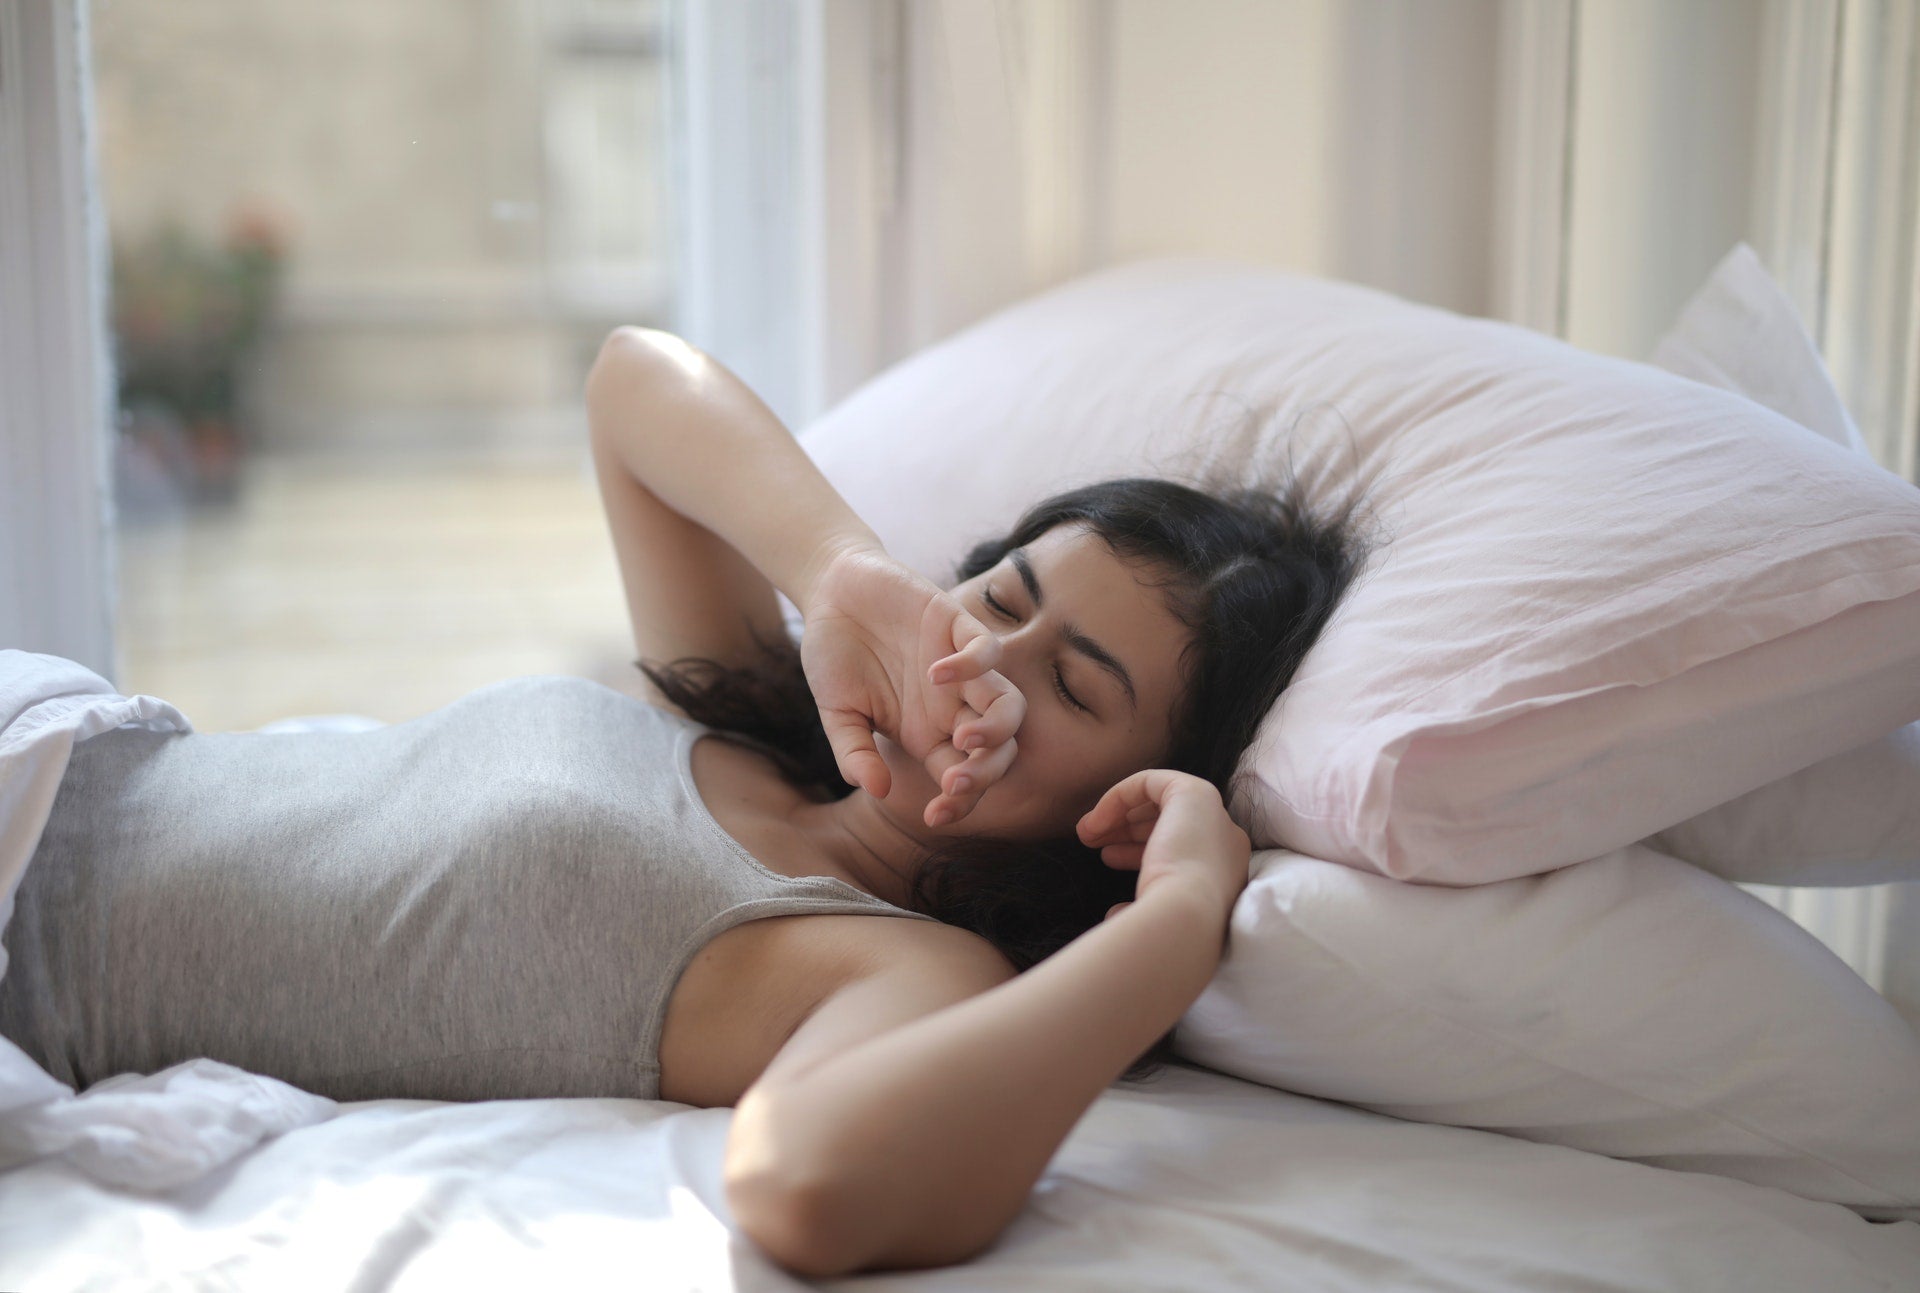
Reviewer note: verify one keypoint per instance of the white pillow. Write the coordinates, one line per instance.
(1851, 819)
(1612, 598)
(1740, 333)
(1854, 818)
(1632, 1005)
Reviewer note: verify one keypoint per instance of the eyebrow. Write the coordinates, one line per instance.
(1079, 641)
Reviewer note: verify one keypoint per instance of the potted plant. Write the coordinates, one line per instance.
(188, 314)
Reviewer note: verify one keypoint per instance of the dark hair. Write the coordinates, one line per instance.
(1252, 570)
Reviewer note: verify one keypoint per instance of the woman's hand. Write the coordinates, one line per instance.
(886, 650)
(1173, 828)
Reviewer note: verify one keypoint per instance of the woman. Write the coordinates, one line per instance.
(548, 888)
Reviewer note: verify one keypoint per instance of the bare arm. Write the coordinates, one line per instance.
(917, 1146)
(711, 500)
(713, 505)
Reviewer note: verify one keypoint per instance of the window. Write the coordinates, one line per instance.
(362, 256)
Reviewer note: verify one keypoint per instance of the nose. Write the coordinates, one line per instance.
(1019, 658)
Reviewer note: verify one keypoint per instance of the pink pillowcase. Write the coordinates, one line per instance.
(1609, 599)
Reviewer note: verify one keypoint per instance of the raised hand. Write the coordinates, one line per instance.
(1173, 828)
(887, 650)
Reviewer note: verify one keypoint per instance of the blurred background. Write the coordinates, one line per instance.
(361, 254)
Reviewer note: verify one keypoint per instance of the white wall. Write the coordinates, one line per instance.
(1353, 139)
(1222, 123)
(1663, 157)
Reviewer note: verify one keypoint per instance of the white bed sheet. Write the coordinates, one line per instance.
(1198, 1181)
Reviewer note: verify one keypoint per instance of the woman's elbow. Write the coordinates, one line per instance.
(800, 1229)
(631, 352)
(824, 1232)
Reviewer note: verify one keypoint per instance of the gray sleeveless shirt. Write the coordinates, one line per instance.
(492, 901)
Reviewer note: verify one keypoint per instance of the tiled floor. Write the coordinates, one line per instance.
(370, 588)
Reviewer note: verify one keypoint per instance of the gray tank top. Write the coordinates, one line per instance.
(492, 901)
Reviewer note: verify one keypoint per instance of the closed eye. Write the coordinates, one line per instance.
(1060, 685)
(1059, 682)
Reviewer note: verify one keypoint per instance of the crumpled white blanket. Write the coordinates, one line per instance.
(144, 1132)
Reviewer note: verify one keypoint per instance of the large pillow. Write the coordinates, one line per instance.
(1632, 1005)
(1854, 818)
(1609, 598)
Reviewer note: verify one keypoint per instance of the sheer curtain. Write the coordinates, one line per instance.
(55, 551)
(1641, 140)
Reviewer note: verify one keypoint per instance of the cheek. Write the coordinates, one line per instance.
(1059, 766)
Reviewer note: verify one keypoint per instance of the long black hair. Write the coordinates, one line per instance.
(1251, 570)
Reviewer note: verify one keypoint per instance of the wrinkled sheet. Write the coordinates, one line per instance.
(135, 1131)
(1197, 1181)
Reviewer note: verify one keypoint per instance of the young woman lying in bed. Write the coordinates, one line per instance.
(450, 908)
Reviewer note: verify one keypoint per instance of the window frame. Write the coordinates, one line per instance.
(57, 569)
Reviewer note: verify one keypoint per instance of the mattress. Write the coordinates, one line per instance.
(1193, 1181)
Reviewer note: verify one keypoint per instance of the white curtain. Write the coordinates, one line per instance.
(1644, 137)
(55, 555)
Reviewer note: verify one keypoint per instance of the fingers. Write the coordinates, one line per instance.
(854, 753)
(1126, 812)
(979, 707)
(964, 779)
(942, 808)
(966, 685)
(1126, 833)
(995, 711)
(978, 653)
(1108, 821)
(969, 779)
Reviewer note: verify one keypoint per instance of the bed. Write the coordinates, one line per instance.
(1196, 1181)
(1521, 1048)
